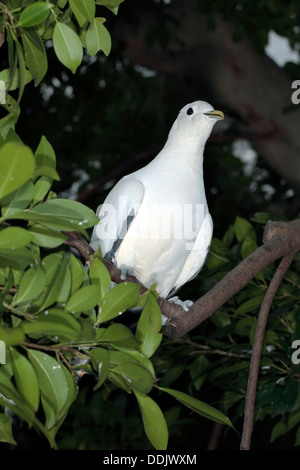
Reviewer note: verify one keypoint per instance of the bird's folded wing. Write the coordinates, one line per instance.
(116, 214)
(198, 254)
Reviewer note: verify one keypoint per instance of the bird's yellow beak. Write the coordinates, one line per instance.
(215, 114)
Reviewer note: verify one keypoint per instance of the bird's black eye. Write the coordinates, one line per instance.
(190, 111)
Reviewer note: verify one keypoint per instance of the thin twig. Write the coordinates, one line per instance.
(257, 349)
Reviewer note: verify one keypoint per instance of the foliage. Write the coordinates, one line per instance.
(218, 354)
(255, 20)
(59, 320)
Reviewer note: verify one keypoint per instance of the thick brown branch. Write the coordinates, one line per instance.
(257, 349)
(281, 238)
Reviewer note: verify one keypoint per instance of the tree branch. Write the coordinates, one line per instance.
(280, 239)
(257, 349)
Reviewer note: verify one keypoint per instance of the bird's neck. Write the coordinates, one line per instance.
(190, 153)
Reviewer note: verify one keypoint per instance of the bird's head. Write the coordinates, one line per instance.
(194, 123)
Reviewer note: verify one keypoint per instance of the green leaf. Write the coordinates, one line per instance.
(98, 38)
(148, 327)
(55, 323)
(117, 300)
(154, 422)
(54, 421)
(6, 429)
(100, 363)
(83, 10)
(16, 167)
(55, 266)
(18, 259)
(32, 283)
(26, 379)
(12, 238)
(52, 380)
(198, 406)
(22, 70)
(15, 83)
(263, 217)
(61, 214)
(18, 200)
(67, 46)
(120, 337)
(250, 305)
(46, 237)
(83, 299)
(44, 154)
(78, 273)
(99, 276)
(137, 378)
(34, 14)
(282, 427)
(248, 246)
(11, 336)
(243, 228)
(35, 55)
(46, 163)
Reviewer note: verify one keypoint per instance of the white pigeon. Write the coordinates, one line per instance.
(155, 222)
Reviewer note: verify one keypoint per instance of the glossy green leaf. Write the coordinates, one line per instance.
(41, 188)
(67, 46)
(61, 214)
(35, 55)
(78, 273)
(55, 266)
(25, 379)
(34, 14)
(44, 154)
(99, 276)
(148, 327)
(11, 336)
(154, 422)
(243, 228)
(119, 336)
(83, 299)
(18, 200)
(100, 362)
(83, 10)
(32, 283)
(15, 82)
(22, 70)
(55, 323)
(18, 259)
(46, 237)
(6, 429)
(250, 305)
(51, 377)
(16, 167)
(138, 378)
(12, 238)
(54, 420)
(98, 38)
(117, 300)
(198, 406)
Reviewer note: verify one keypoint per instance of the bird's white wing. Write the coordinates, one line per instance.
(198, 254)
(116, 214)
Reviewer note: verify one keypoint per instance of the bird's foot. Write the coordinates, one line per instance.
(125, 271)
(185, 304)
